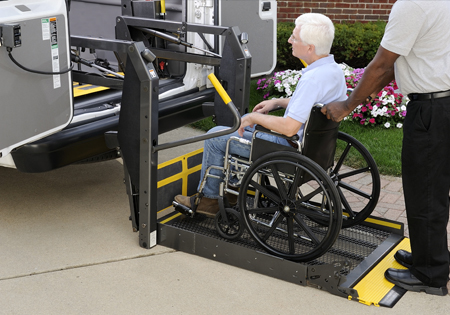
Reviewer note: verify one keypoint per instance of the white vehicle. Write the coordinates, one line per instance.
(54, 115)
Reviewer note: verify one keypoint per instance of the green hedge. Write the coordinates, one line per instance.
(285, 60)
(354, 43)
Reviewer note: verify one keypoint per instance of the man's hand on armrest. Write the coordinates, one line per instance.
(267, 106)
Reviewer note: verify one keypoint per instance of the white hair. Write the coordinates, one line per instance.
(318, 30)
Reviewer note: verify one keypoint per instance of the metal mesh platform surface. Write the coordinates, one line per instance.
(353, 244)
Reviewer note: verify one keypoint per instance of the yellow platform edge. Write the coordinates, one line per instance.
(374, 286)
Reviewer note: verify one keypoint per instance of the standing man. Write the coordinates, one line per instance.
(416, 48)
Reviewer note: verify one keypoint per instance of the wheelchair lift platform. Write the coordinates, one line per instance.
(353, 268)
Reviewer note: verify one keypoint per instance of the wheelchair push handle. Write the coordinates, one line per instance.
(227, 100)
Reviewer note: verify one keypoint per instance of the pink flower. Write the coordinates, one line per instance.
(372, 120)
(355, 115)
(362, 121)
(364, 109)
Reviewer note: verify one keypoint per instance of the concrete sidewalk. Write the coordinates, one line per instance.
(67, 248)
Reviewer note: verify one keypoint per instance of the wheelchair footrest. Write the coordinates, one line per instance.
(183, 209)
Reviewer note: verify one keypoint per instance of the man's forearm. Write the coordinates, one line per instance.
(377, 75)
(282, 102)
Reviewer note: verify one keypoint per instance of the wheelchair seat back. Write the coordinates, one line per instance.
(318, 143)
(319, 140)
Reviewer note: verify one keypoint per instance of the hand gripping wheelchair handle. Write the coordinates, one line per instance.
(227, 100)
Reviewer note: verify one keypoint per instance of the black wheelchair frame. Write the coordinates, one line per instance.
(294, 201)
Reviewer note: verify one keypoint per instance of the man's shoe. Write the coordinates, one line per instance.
(404, 279)
(232, 199)
(404, 258)
(206, 206)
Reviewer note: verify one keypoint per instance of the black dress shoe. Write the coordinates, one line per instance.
(404, 258)
(404, 279)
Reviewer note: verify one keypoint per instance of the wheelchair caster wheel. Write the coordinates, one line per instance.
(230, 227)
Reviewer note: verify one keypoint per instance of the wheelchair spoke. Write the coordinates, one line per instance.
(310, 195)
(291, 241)
(306, 229)
(342, 158)
(347, 206)
(354, 172)
(280, 184)
(265, 191)
(273, 227)
(295, 184)
(354, 190)
(315, 211)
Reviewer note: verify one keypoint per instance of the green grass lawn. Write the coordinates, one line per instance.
(383, 144)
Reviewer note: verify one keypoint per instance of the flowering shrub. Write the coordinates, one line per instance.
(388, 108)
(281, 85)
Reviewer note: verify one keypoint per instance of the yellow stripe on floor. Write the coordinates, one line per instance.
(374, 286)
(84, 89)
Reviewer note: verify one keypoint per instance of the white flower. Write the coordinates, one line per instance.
(387, 125)
(374, 113)
(391, 99)
(288, 92)
(403, 108)
(399, 125)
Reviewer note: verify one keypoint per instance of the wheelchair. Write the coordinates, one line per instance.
(293, 201)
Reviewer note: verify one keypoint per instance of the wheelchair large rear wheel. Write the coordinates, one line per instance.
(299, 190)
(358, 185)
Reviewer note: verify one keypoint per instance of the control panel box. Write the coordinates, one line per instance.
(35, 79)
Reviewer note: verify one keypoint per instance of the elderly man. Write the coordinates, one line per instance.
(322, 81)
(416, 48)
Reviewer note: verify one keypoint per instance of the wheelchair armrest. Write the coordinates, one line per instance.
(265, 130)
(277, 109)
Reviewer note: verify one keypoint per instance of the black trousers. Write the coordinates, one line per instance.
(426, 184)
